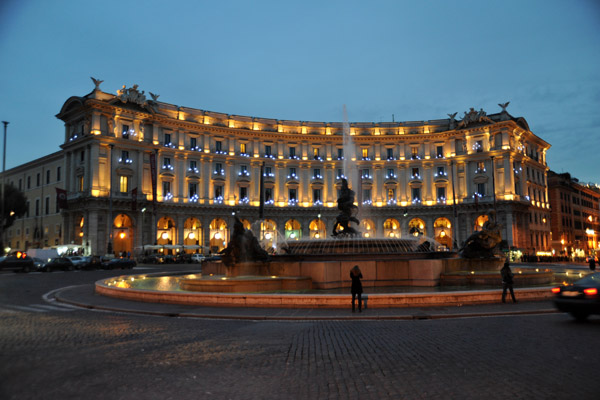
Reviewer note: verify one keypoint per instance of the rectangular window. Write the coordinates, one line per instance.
(20, 184)
(57, 174)
(167, 138)
(47, 177)
(218, 191)
(193, 143)
(366, 195)
(390, 173)
(268, 171)
(218, 145)
(316, 195)
(166, 187)
(37, 207)
(80, 183)
(125, 131)
(440, 171)
(29, 182)
(166, 161)
(441, 193)
(292, 172)
(317, 173)
(365, 153)
(416, 194)
(27, 210)
(267, 150)
(218, 168)
(243, 148)
(243, 192)
(415, 172)
(481, 189)
(365, 174)
(390, 154)
(123, 184)
(439, 151)
(38, 180)
(292, 194)
(268, 194)
(192, 189)
(340, 153)
(481, 166)
(479, 146)
(391, 194)
(57, 208)
(193, 164)
(315, 153)
(414, 152)
(47, 205)
(292, 152)
(82, 156)
(340, 173)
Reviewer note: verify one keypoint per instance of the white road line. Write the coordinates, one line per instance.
(26, 308)
(52, 308)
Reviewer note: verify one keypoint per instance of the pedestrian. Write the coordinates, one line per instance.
(507, 282)
(356, 288)
(592, 263)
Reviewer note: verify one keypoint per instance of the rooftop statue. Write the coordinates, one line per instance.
(243, 246)
(347, 209)
(483, 243)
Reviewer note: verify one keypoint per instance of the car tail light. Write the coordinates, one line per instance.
(591, 291)
(555, 290)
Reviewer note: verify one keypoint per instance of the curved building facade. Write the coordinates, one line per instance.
(139, 172)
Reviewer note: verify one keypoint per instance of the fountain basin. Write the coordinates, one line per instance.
(224, 284)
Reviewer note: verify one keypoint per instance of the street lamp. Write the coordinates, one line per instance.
(2, 191)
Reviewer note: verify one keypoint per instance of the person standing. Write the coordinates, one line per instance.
(507, 282)
(356, 288)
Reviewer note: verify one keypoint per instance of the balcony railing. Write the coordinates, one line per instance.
(167, 167)
(125, 160)
(169, 145)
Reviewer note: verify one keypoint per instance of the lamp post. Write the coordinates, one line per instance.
(2, 190)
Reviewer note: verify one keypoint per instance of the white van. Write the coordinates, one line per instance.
(43, 254)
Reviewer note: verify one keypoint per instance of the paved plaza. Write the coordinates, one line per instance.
(52, 350)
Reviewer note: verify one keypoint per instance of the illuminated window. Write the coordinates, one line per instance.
(316, 152)
(80, 183)
(391, 194)
(123, 184)
(414, 152)
(243, 148)
(479, 146)
(365, 153)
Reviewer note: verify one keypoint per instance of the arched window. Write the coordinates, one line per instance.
(391, 228)
(293, 230)
(368, 228)
(443, 231)
(317, 229)
(479, 222)
(416, 227)
(218, 235)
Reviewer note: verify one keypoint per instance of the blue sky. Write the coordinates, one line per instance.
(303, 60)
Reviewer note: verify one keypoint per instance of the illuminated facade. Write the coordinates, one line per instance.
(435, 178)
(575, 216)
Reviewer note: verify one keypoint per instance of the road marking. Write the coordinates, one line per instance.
(53, 308)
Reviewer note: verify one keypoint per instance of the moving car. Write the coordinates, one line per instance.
(580, 299)
(122, 263)
(57, 263)
(18, 261)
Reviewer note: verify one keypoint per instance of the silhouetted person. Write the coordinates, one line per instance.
(507, 282)
(356, 288)
(592, 263)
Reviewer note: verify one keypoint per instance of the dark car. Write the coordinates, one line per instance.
(581, 298)
(17, 262)
(91, 262)
(122, 263)
(153, 259)
(61, 263)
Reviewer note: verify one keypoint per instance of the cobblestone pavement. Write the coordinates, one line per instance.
(62, 353)
(82, 354)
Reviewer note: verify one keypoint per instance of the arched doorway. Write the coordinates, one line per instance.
(442, 231)
(192, 235)
(218, 235)
(317, 229)
(293, 230)
(480, 221)
(165, 232)
(368, 228)
(268, 235)
(122, 235)
(391, 228)
(416, 227)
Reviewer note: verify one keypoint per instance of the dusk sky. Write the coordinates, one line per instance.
(303, 60)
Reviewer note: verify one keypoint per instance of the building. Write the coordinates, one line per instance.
(575, 216)
(141, 173)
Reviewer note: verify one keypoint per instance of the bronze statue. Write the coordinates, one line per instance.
(483, 244)
(243, 246)
(347, 211)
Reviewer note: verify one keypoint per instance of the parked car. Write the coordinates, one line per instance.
(61, 263)
(153, 259)
(91, 262)
(197, 258)
(18, 261)
(580, 299)
(122, 263)
(39, 264)
(78, 261)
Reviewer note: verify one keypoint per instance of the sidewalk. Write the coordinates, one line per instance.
(84, 296)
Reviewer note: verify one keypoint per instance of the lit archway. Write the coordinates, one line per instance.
(122, 235)
(442, 231)
(416, 227)
(192, 235)
(368, 228)
(293, 230)
(317, 229)
(218, 235)
(480, 221)
(165, 232)
(268, 235)
(391, 228)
